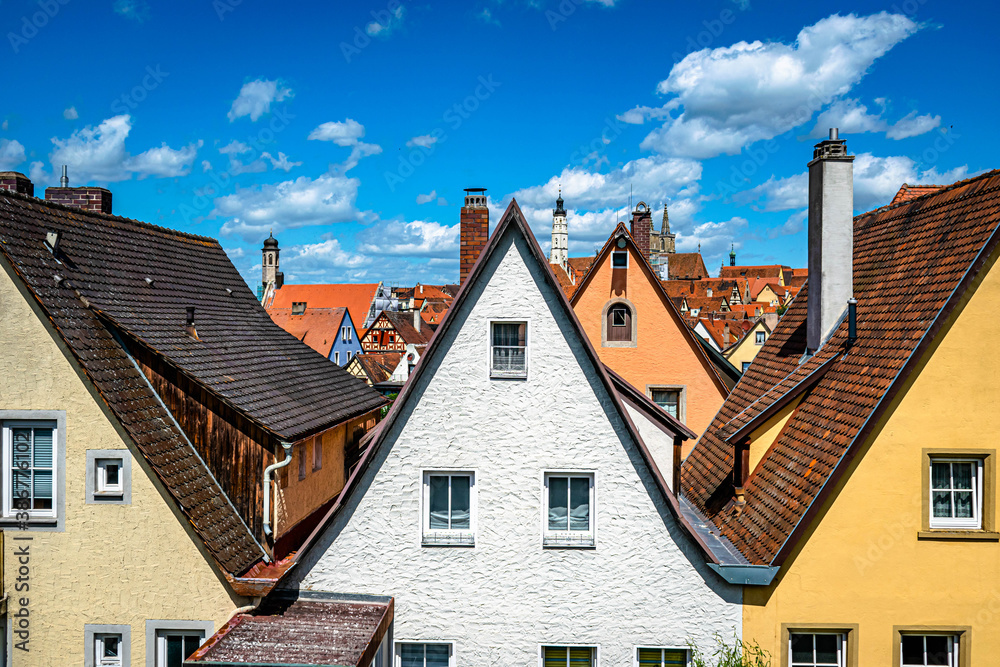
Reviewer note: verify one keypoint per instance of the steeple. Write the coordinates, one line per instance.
(732, 255)
(668, 242)
(560, 234)
(269, 264)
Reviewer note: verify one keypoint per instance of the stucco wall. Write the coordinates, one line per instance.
(863, 563)
(747, 349)
(662, 356)
(113, 564)
(642, 584)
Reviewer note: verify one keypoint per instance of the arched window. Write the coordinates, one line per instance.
(619, 323)
(270, 260)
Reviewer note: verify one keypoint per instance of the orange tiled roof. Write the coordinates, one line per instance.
(686, 265)
(913, 263)
(317, 327)
(579, 266)
(567, 285)
(764, 271)
(758, 285)
(378, 366)
(908, 192)
(356, 298)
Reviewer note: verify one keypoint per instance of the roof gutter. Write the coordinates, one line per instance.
(746, 575)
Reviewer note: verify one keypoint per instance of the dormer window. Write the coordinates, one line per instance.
(298, 307)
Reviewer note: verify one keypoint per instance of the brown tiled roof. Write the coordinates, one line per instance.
(912, 263)
(758, 285)
(317, 327)
(719, 287)
(105, 260)
(766, 271)
(378, 366)
(908, 192)
(356, 298)
(579, 266)
(403, 323)
(705, 304)
(434, 311)
(306, 631)
(686, 265)
(564, 280)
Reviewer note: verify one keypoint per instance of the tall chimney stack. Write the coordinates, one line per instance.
(642, 227)
(14, 181)
(474, 230)
(831, 238)
(87, 197)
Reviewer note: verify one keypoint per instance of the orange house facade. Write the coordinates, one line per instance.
(639, 334)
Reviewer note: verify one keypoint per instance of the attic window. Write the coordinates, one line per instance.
(619, 259)
(298, 307)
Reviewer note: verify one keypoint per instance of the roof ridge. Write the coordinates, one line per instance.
(941, 189)
(109, 216)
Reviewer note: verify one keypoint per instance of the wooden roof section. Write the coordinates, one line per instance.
(913, 262)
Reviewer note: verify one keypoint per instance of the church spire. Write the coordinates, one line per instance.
(560, 234)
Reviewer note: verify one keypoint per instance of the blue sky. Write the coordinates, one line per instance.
(351, 129)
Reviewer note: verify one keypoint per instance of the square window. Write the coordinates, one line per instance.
(821, 649)
(109, 477)
(424, 655)
(661, 657)
(108, 650)
(508, 349)
(29, 468)
(317, 453)
(956, 493)
(619, 259)
(173, 647)
(669, 400)
(569, 509)
(923, 650)
(568, 656)
(449, 501)
(759, 337)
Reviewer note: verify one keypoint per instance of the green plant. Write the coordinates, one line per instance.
(736, 654)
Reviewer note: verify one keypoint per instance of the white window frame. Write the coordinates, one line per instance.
(569, 538)
(489, 349)
(99, 659)
(101, 477)
(450, 537)
(336, 357)
(616, 253)
(841, 649)
(953, 647)
(976, 521)
(760, 337)
(9, 511)
(92, 637)
(596, 648)
(397, 657)
(637, 647)
(161, 641)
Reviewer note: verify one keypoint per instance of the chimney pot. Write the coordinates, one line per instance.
(834, 134)
(64, 179)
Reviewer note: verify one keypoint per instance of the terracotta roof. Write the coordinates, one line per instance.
(433, 292)
(758, 285)
(579, 266)
(305, 631)
(105, 261)
(434, 311)
(565, 283)
(908, 192)
(706, 304)
(717, 328)
(686, 265)
(765, 271)
(356, 298)
(317, 327)
(913, 262)
(403, 323)
(378, 366)
(719, 287)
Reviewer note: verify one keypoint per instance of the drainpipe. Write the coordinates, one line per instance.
(267, 485)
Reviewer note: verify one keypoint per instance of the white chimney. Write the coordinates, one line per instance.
(831, 238)
(416, 320)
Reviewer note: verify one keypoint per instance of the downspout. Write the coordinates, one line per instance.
(267, 485)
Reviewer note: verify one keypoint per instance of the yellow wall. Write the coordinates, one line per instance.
(747, 348)
(113, 564)
(663, 354)
(863, 562)
(299, 498)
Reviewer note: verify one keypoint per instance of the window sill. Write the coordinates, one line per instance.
(618, 343)
(959, 535)
(108, 495)
(448, 540)
(569, 542)
(497, 375)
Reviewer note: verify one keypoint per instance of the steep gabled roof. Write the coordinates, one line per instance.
(378, 366)
(717, 374)
(100, 271)
(403, 324)
(908, 192)
(512, 221)
(317, 327)
(913, 263)
(686, 265)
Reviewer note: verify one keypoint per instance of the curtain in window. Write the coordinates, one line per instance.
(669, 400)
(450, 502)
(508, 347)
(569, 503)
(952, 484)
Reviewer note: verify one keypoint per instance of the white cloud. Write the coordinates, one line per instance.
(4, 126)
(319, 259)
(99, 154)
(423, 199)
(206, 165)
(236, 166)
(37, 173)
(388, 24)
(410, 239)
(733, 96)
(11, 153)
(486, 16)
(423, 141)
(852, 117)
(302, 202)
(136, 10)
(255, 99)
(876, 181)
(346, 133)
(282, 163)
(641, 114)
(796, 223)
(70, 114)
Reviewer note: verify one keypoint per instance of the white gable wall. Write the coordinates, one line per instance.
(643, 584)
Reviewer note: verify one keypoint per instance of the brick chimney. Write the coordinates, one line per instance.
(474, 230)
(831, 238)
(14, 181)
(87, 197)
(642, 227)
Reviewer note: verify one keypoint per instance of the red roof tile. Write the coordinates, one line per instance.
(356, 298)
(686, 265)
(908, 192)
(317, 327)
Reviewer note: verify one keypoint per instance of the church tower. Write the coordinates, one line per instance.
(560, 234)
(269, 262)
(667, 240)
